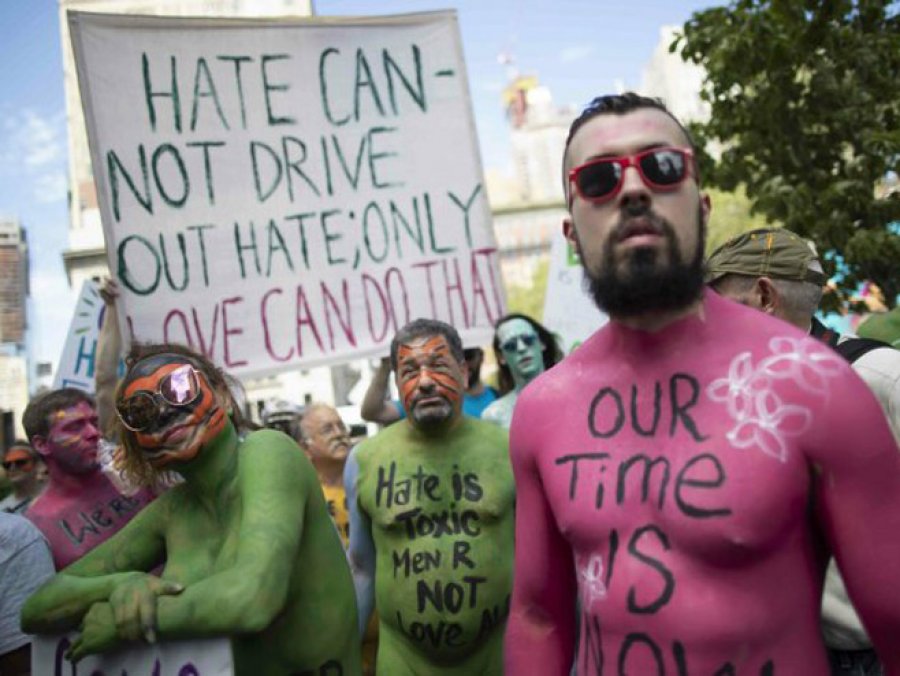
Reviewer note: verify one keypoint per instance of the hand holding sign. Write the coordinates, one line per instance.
(98, 633)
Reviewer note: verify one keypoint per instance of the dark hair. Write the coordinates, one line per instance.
(615, 104)
(134, 465)
(552, 354)
(36, 418)
(427, 327)
(23, 445)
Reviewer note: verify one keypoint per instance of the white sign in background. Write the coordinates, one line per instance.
(206, 657)
(286, 194)
(569, 311)
(77, 363)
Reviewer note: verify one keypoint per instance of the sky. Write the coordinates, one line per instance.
(577, 48)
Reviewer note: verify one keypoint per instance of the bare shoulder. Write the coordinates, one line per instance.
(271, 442)
(383, 443)
(275, 453)
(487, 434)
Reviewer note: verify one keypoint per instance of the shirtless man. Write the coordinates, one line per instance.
(249, 550)
(325, 440)
(80, 508)
(431, 519)
(684, 473)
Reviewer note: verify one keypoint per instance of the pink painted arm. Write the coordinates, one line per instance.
(540, 634)
(858, 496)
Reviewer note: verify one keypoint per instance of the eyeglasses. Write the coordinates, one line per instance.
(512, 344)
(22, 463)
(178, 388)
(601, 179)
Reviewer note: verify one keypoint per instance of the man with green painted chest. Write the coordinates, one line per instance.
(431, 519)
(248, 548)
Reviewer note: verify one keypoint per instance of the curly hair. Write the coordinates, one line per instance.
(131, 461)
(552, 354)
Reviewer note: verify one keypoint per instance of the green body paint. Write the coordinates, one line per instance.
(248, 541)
(441, 512)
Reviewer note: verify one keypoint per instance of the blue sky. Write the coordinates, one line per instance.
(578, 48)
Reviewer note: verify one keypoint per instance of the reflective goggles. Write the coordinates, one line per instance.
(512, 344)
(660, 169)
(140, 411)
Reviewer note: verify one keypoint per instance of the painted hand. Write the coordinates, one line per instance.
(133, 604)
(98, 633)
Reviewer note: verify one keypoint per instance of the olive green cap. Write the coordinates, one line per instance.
(768, 252)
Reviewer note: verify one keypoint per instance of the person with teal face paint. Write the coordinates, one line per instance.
(524, 349)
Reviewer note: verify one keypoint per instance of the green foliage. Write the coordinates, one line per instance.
(806, 111)
(529, 300)
(731, 215)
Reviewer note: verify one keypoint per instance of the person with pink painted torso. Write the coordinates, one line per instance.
(682, 477)
(80, 507)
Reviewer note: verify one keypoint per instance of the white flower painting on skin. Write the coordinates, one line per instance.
(762, 420)
(590, 581)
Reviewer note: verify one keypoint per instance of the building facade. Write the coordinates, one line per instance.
(13, 283)
(14, 292)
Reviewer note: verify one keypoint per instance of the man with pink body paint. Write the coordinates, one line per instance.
(682, 476)
(79, 508)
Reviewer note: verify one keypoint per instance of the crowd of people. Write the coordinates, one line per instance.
(698, 488)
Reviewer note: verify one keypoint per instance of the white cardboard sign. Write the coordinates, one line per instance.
(77, 362)
(207, 657)
(569, 311)
(287, 193)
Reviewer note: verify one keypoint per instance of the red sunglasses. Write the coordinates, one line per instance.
(661, 169)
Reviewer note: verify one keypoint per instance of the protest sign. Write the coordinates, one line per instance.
(76, 365)
(569, 311)
(206, 657)
(287, 193)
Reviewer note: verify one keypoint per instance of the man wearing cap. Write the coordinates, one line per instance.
(682, 475)
(777, 272)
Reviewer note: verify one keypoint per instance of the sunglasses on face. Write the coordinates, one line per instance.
(512, 344)
(23, 463)
(659, 168)
(140, 411)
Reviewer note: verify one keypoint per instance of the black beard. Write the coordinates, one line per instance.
(643, 284)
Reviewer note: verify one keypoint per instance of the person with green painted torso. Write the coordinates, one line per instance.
(431, 519)
(248, 548)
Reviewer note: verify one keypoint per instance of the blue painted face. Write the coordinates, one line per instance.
(521, 349)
